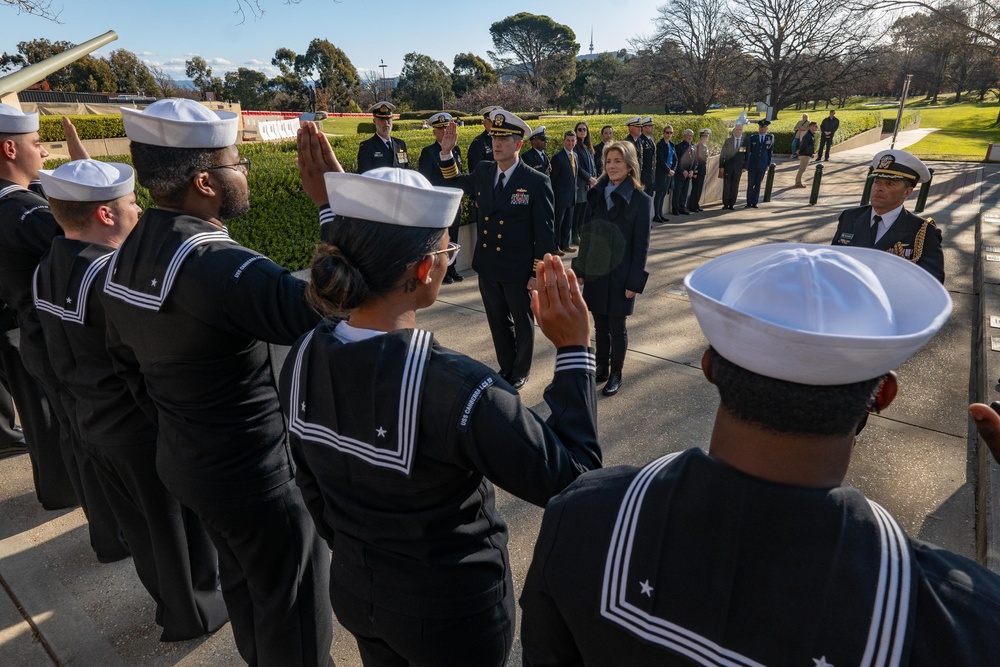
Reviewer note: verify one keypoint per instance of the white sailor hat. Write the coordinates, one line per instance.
(704, 132)
(382, 109)
(14, 121)
(816, 315)
(393, 196)
(180, 123)
(648, 120)
(539, 133)
(505, 123)
(899, 165)
(440, 119)
(88, 180)
(486, 111)
(634, 120)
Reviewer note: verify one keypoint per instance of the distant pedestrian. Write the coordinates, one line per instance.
(760, 149)
(666, 164)
(798, 132)
(828, 128)
(698, 182)
(806, 150)
(687, 168)
(732, 164)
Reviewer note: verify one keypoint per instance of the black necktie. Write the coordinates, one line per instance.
(499, 188)
(388, 145)
(873, 230)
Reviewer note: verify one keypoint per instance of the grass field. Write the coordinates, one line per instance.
(965, 130)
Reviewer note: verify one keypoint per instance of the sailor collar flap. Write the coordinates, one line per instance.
(388, 371)
(64, 291)
(630, 596)
(143, 270)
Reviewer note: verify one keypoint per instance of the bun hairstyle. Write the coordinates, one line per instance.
(361, 260)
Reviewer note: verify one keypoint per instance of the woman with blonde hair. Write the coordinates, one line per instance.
(612, 261)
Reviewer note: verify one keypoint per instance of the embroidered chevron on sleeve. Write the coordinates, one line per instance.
(576, 358)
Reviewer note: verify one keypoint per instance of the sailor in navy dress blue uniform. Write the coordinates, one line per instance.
(481, 147)
(731, 557)
(514, 231)
(536, 156)
(94, 203)
(760, 147)
(382, 149)
(885, 224)
(397, 439)
(193, 311)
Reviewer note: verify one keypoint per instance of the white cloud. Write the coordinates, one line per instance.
(256, 63)
(219, 61)
(145, 54)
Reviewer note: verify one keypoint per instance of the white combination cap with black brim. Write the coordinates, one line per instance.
(15, 121)
(507, 124)
(634, 120)
(88, 180)
(816, 315)
(440, 119)
(393, 197)
(896, 165)
(181, 123)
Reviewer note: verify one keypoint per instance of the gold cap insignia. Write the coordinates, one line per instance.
(886, 161)
(498, 120)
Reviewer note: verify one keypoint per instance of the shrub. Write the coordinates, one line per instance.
(368, 127)
(88, 127)
(889, 120)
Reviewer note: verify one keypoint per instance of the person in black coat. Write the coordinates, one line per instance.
(481, 147)
(886, 224)
(731, 166)
(698, 182)
(536, 157)
(647, 157)
(666, 164)
(586, 178)
(403, 491)
(806, 148)
(612, 261)
(382, 149)
(430, 167)
(828, 128)
(513, 231)
(687, 169)
(607, 138)
(565, 167)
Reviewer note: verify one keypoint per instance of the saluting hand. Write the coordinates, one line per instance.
(316, 157)
(450, 137)
(558, 305)
(73, 143)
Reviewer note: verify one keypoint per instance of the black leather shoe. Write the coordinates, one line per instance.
(518, 382)
(457, 277)
(448, 279)
(613, 385)
(602, 374)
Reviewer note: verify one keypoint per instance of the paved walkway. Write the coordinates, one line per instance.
(60, 606)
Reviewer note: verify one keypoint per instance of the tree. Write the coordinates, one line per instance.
(537, 50)
(291, 92)
(983, 17)
(91, 75)
(42, 8)
(201, 75)
(593, 86)
(513, 96)
(87, 74)
(165, 84)
(424, 83)
(471, 72)
(330, 69)
(249, 87)
(131, 74)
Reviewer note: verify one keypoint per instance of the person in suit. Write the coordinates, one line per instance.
(732, 165)
(564, 177)
(827, 129)
(481, 147)
(536, 157)
(760, 148)
(612, 260)
(648, 161)
(586, 177)
(687, 169)
(514, 230)
(382, 149)
(666, 165)
(430, 167)
(802, 569)
(807, 146)
(698, 182)
(885, 224)
(607, 138)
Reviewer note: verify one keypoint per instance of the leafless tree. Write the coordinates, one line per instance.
(42, 8)
(983, 17)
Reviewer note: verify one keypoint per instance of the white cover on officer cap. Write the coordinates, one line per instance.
(634, 120)
(814, 314)
(393, 196)
(648, 120)
(14, 121)
(180, 123)
(704, 132)
(899, 165)
(440, 119)
(485, 111)
(88, 180)
(504, 122)
(538, 132)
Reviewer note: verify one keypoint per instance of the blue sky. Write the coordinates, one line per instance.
(167, 33)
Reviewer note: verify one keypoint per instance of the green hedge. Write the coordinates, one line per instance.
(889, 120)
(851, 123)
(88, 127)
(368, 127)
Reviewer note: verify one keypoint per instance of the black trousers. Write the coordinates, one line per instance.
(682, 187)
(564, 225)
(611, 342)
(579, 213)
(662, 188)
(731, 186)
(275, 573)
(827, 142)
(41, 429)
(512, 325)
(393, 639)
(754, 178)
(453, 237)
(173, 555)
(8, 434)
(697, 185)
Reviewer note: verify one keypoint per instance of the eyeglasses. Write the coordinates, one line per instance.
(581, 129)
(668, 132)
(451, 250)
(243, 165)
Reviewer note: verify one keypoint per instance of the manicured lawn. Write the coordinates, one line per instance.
(343, 125)
(964, 132)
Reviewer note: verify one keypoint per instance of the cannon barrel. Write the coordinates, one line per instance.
(21, 79)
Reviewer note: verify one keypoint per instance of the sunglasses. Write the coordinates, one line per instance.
(451, 250)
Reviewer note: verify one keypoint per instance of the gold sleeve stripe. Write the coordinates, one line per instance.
(449, 171)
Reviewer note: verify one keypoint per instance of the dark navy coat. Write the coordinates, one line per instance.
(373, 153)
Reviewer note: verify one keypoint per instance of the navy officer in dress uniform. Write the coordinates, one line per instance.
(481, 147)
(647, 161)
(886, 224)
(514, 230)
(94, 203)
(382, 149)
(430, 166)
(536, 157)
(754, 553)
(193, 311)
(760, 148)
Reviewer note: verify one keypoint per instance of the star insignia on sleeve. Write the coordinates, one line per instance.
(69, 300)
(303, 406)
(647, 590)
(380, 431)
(152, 283)
(821, 662)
